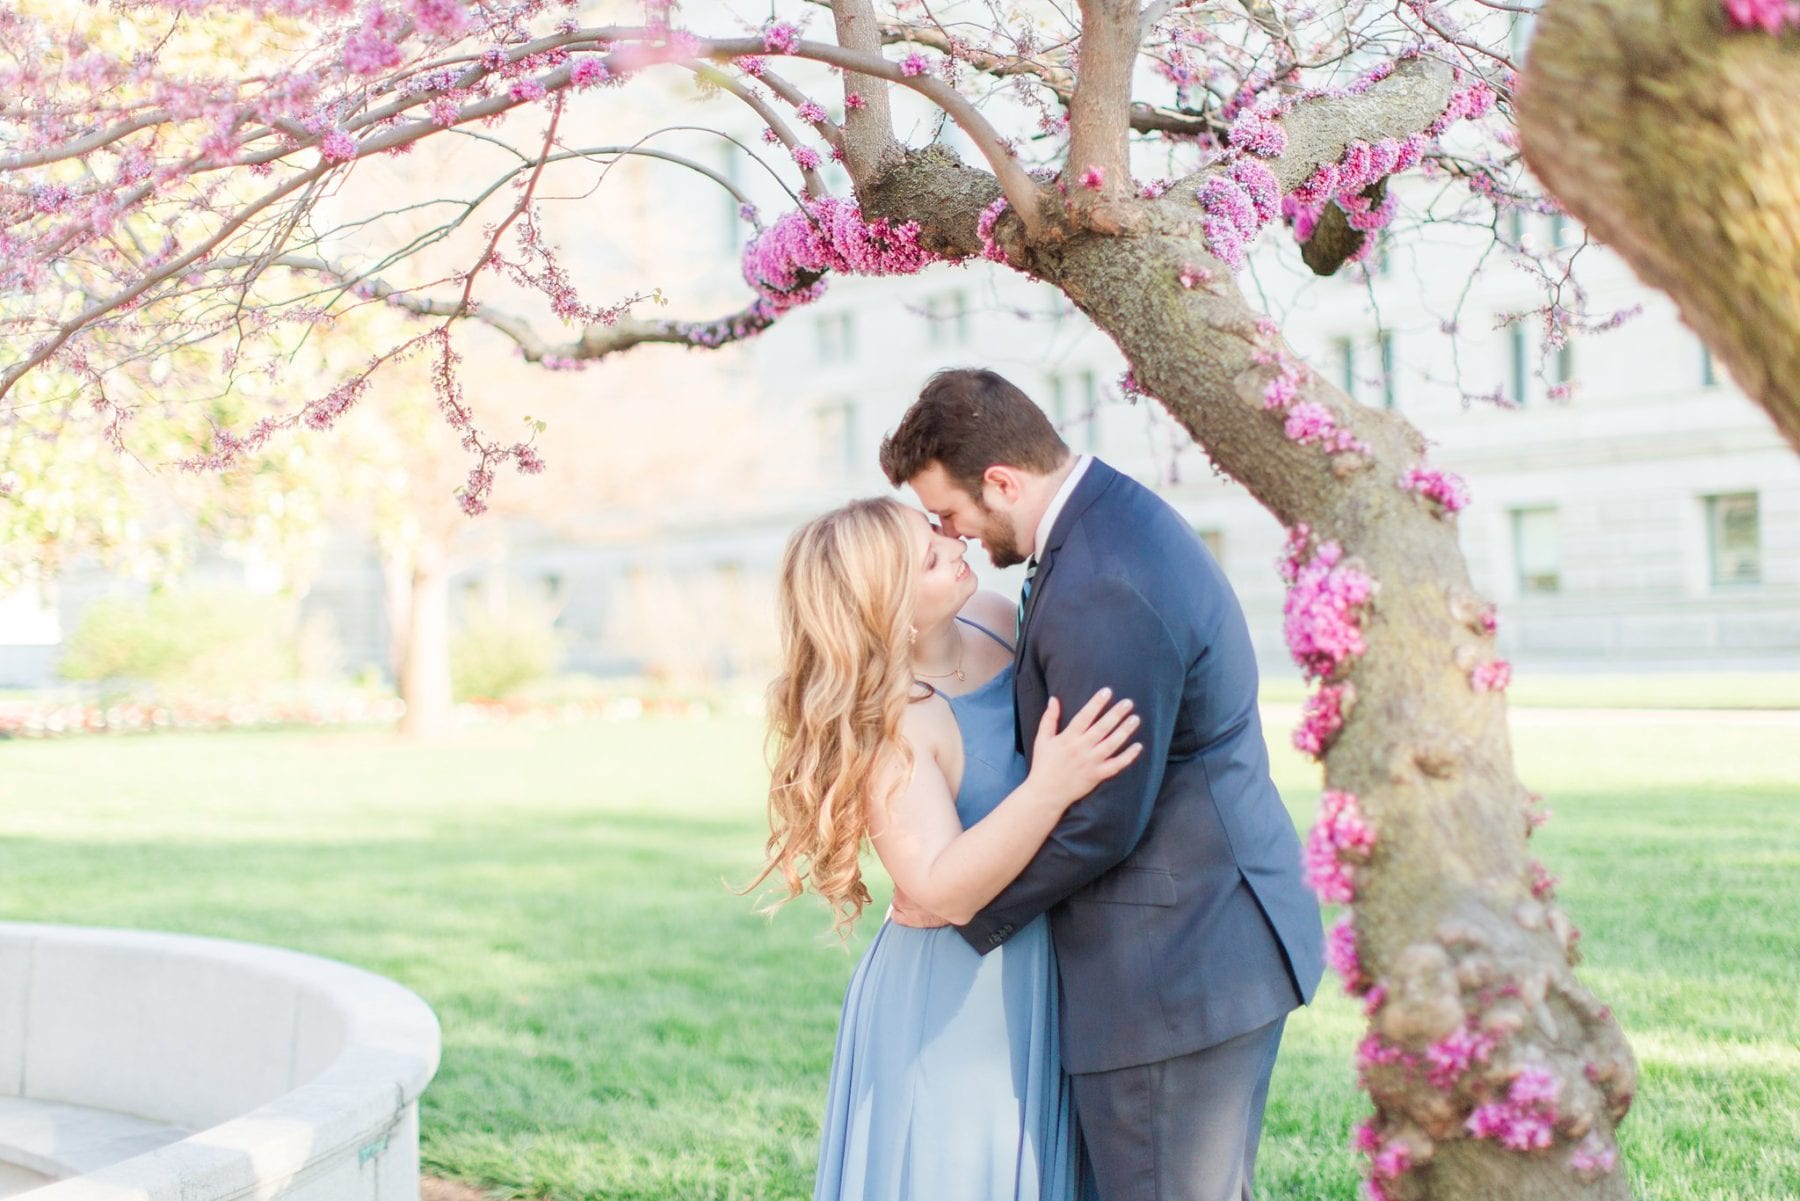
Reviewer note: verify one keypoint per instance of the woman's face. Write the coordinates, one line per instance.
(945, 581)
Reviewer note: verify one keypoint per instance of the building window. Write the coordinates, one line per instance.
(1563, 368)
(1343, 353)
(1734, 539)
(837, 432)
(1381, 261)
(837, 337)
(1384, 345)
(1709, 372)
(1075, 407)
(1559, 231)
(1520, 364)
(1537, 553)
(947, 319)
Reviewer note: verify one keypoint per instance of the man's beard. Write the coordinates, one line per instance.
(998, 539)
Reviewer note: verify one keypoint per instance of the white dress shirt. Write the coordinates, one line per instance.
(1057, 502)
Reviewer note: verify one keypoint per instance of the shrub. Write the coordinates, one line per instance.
(201, 641)
(498, 649)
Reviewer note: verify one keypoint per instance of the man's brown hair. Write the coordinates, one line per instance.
(970, 419)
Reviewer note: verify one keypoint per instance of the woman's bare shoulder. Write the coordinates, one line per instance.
(988, 608)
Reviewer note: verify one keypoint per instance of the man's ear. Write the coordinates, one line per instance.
(1003, 480)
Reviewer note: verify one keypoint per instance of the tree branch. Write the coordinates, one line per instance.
(1100, 109)
(815, 183)
(869, 129)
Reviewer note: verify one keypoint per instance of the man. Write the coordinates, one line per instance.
(1183, 928)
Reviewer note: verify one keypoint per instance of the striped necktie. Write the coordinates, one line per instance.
(1025, 595)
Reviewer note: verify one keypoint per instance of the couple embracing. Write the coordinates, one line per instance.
(1099, 922)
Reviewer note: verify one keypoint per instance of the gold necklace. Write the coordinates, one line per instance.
(956, 671)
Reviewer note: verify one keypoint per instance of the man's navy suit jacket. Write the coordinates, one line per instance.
(1175, 891)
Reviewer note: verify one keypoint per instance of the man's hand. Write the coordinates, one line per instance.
(905, 913)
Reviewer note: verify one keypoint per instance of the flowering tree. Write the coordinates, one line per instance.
(168, 164)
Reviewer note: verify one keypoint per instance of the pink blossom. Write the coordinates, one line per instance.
(1391, 1162)
(1594, 1156)
(1320, 720)
(1373, 1051)
(1340, 837)
(1283, 387)
(1224, 240)
(1094, 178)
(1191, 276)
(439, 18)
(1492, 676)
(527, 90)
(1525, 1119)
(770, 136)
(1444, 487)
(444, 111)
(1543, 884)
(1254, 133)
(984, 229)
(806, 156)
(1309, 422)
(753, 65)
(914, 64)
(1260, 184)
(855, 100)
(1767, 15)
(369, 52)
(1226, 198)
(1452, 1056)
(338, 147)
(1365, 1138)
(811, 111)
(1341, 957)
(787, 262)
(1322, 612)
(781, 38)
(588, 72)
(526, 459)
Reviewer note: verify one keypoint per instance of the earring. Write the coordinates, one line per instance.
(912, 635)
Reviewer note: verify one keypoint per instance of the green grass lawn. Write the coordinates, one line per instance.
(619, 1025)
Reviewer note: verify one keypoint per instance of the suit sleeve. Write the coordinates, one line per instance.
(1101, 634)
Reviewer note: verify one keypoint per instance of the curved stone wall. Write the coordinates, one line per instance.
(139, 1066)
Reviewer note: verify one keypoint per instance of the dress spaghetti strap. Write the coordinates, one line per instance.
(1003, 642)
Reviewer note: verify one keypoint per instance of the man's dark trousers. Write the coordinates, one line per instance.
(1204, 1114)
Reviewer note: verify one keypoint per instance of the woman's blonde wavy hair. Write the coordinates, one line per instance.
(846, 595)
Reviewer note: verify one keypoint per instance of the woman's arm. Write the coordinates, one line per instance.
(951, 872)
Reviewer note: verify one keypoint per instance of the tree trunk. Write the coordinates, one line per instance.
(1672, 137)
(425, 664)
(1495, 1074)
(1465, 963)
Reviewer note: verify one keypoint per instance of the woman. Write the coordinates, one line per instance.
(893, 719)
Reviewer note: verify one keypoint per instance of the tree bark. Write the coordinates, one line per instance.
(1672, 137)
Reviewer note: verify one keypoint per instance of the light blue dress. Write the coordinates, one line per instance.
(947, 1081)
